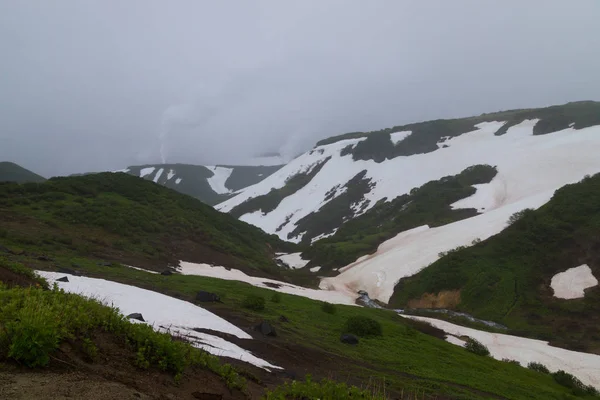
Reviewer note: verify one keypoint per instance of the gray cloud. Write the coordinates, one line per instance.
(95, 85)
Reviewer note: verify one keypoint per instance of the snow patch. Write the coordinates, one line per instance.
(455, 340)
(293, 260)
(584, 366)
(178, 181)
(165, 313)
(187, 268)
(158, 175)
(397, 137)
(146, 171)
(141, 269)
(170, 175)
(315, 269)
(571, 284)
(217, 181)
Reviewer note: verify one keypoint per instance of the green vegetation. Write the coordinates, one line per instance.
(124, 218)
(569, 381)
(429, 204)
(276, 298)
(363, 326)
(36, 321)
(476, 347)
(11, 172)
(426, 135)
(325, 389)
(538, 367)
(410, 361)
(328, 308)
(268, 202)
(254, 302)
(507, 277)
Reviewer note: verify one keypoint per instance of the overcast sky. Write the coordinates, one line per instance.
(99, 85)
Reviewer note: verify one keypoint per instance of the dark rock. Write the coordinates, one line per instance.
(272, 285)
(63, 279)
(167, 272)
(283, 318)
(207, 297)
(4, 249)
(104, 264)
(266, 329)
(44, 258)
(349, 339)
(207, 396)
(137, 316)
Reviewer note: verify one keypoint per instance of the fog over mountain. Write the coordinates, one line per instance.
(96, 85)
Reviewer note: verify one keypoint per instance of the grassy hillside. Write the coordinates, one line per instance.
(129, 219)
(425, 135)
(407, 359)
(428, 204)
(11, 172)
(507, 277)
(192, 179)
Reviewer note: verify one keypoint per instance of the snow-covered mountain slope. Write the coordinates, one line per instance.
(211, 184)
(534, 151)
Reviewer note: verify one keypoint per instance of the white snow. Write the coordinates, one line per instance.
(146, 171)
(126, 170)
(187, 268)
(158, 175)
(220, 176)
(315, 269)
(397, 137)
(178, 181)
(164, 313)
(571, 283)
(527, 165)
(584, 366)
(141, 269)
(293, 260)
(455, 340)
(170, 175)
(412, 250)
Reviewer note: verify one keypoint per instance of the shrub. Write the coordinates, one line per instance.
(328, 308)
(538, 367)
(508, 360)
(518, 215)
(476, 347)
(276, 298)
(254, 302)
(570, 381)
(326, 389)
(363, 326)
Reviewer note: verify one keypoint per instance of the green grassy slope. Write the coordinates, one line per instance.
(11, 172)
(507, 277)
(426, 135)
(428, 204)
(409, 360)
(125, 218)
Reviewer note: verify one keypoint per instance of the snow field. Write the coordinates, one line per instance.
(292, 260)
(220, 176)
(571, 284)
(164, 313)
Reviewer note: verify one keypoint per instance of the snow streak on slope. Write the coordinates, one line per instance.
(397, 137)
(292, 260)
(532, 169)
(146, 171)
(220, 176)
(158, 175)
(164, 313)
(187, 268)
(527, 165)
(584, 366)
(571, 284)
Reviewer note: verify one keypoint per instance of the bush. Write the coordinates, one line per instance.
(326, 389)
(570, 381)
(518, 215)
(276, 298)
(254, 302)
(476, 347)
(508, 360)
(538, 367)
(328, 308)
(363, 326)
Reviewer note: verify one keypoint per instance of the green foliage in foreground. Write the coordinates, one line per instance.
(507, 277)
(325, 389)
(117, 213)
(363, 326)
(254, 302)
(428, 204)
(35, 321)
(411, 361)
(476, 347)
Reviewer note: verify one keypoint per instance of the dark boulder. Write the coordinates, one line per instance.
(137, 316)
(63, 279)
(349, 339)
(4, 249)
(207, 297)
(283, 318)
(266, 329)
(167, 272)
